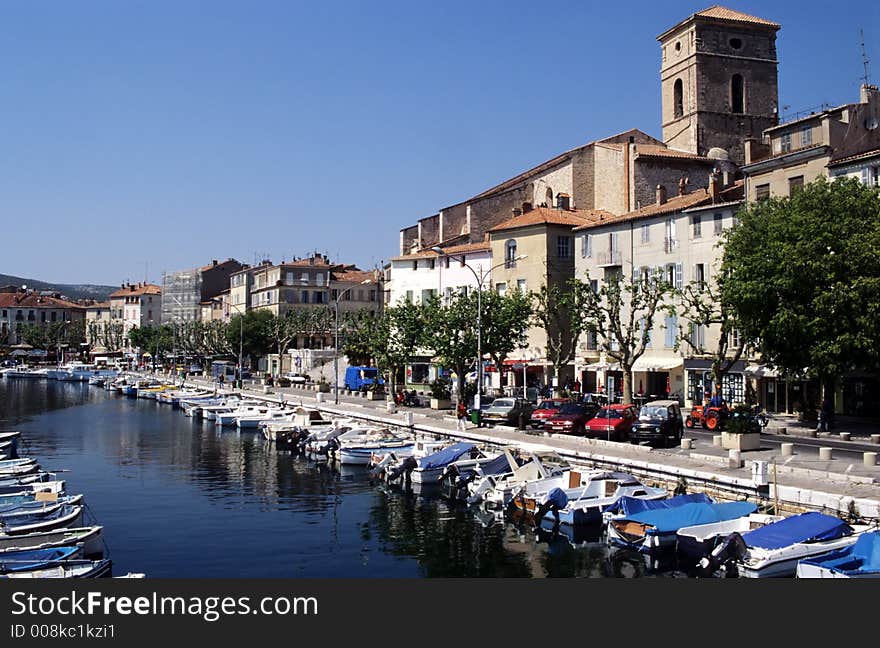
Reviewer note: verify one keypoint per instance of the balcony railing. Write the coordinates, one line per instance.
(670, 244)
(609, 258)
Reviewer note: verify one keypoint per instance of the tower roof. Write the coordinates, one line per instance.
(723, 14)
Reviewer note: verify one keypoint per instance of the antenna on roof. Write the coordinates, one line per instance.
(864, 56)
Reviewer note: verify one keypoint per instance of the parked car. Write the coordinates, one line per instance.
(545, 409)
(506, 411)
(612, 421)
(571, 418)
(295, 378)
(659, 424)
(485, 403)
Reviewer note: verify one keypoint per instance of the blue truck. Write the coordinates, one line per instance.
(357, 378)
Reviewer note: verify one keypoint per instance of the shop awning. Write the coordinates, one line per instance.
(704, 364)
(653, 363)
(761, 371)
(602, 366)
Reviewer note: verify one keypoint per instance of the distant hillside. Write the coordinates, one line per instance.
(71, 291)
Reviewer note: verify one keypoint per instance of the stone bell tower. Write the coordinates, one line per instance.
(719, 81)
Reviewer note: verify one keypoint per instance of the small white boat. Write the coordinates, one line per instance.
(14, 467)
(229, 418)
(89, 537)
(252, 422)
(71, 569)
(694, 543)
(497, 491)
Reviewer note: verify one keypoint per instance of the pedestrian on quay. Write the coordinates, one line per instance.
(461, 425)
(825, 414)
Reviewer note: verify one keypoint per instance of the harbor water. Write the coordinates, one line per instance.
(178, 497)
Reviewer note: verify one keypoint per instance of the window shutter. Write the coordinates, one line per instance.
(635, 275)
(678, 275)
(866, 176)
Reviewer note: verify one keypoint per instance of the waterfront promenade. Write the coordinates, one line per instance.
(806, 479)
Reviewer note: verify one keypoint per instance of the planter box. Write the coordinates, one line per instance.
(441, 404)
(324, 389)
(375, 396)
(747, 441)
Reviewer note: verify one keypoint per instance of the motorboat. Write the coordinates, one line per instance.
(24, 371)
(694, 543)
(655, 530)
(89, 537)
(775, 549)
(211, 412)
(70, 569)
(859, 560)
(358, 449)
(627, 506)
(427, 469)
(252, 422)
(457, 476)
(230, 418)
(584, 505)
(498, 490)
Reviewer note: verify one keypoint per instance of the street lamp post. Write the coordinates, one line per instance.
(481, 277)
(336, 345)
(240, 336)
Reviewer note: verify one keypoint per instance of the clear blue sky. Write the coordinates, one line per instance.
(139, 137)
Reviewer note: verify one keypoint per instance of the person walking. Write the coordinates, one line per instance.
(825, 414)
(462, 416)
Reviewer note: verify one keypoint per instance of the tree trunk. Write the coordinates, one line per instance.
(627, 386)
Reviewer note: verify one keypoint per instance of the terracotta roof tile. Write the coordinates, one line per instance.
(650, 150)
(34, 300)
(134, 290)
(354, 276)
(548, 216)
(674, 204)
(455, 249)
(723, 13)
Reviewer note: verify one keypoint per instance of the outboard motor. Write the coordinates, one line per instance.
(331, 448)
(404, 469)
(556, 500)
(732, 548)
(485, 485)
(450, 472)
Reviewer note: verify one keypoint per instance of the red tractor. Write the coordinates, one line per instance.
(707, 416)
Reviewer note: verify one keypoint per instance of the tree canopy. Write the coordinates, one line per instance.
(803, 273)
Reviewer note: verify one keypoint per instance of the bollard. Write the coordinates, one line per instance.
(408, 419)
(389, 405)
(844, 436)
(811, 433)
(733, 456)
(869, 458)
(782, 430)
(687, 444)
(875, 438)
(716, 440)
(787, 449)
(319, 397)
(825, 453)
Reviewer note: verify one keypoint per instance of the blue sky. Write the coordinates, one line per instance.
(139, 137)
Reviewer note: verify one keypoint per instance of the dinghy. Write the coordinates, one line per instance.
(89, 537)
(860, 560)
(13, 467)
(62, 517)
(694, 543)
(32, 559)
(71, 569)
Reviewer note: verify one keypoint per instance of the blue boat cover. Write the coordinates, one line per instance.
(28, 559)
(498, 466)
(628, 506)
(806, 527)
(445, 456)
(671, 520)
(861, 558)
(557, 497)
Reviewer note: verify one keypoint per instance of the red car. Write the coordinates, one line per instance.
(545, 410)
(612, 421)
(572, 418)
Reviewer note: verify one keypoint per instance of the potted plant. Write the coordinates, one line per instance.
(441, 396)
(742, 431)
(375, 391)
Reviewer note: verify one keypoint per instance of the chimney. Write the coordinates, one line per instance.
(683, 186)
(526, 207)
(213, 262)
(661, 194)
(868, 92)
(714, 186)
(517, 211)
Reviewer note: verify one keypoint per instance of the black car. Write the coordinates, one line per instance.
(659, 424)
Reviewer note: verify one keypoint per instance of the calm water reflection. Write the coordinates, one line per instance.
(177, 498)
